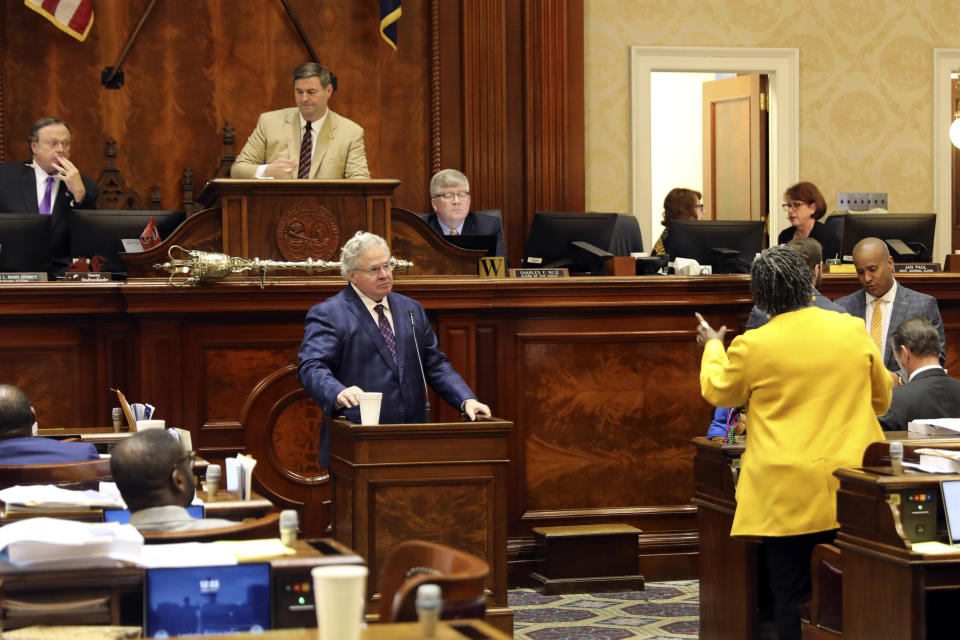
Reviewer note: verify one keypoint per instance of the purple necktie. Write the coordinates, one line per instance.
(45, 203)
(306, 147)
(387, 331)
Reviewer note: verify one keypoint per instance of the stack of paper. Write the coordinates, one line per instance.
(240, 475)
(939, 460)
(48, 496)
(37, 543)
(935, 426)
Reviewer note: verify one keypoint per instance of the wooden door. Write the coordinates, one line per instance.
(735, 148)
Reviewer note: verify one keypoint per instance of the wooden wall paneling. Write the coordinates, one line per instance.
(161, 370)
(3, 58)
(455, 337)
(554, 106)
(116, 363)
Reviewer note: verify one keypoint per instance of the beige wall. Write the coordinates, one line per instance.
(865, 84)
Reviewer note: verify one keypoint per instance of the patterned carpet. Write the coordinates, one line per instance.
(662, 610)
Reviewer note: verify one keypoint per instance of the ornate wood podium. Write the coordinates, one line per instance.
(441, 482)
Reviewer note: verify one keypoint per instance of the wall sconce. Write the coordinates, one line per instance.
(955, 125)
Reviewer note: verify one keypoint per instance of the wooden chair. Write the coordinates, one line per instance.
(461, 577)
(824, 618)
(69, 475)
(266, 527)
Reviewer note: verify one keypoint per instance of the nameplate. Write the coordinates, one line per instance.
(539, 273)
(88, 276)
(492, 267)
(29, 276)
(916, 267)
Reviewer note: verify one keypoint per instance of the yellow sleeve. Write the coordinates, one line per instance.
(722, 376)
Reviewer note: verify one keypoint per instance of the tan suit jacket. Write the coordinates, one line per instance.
(339, 152)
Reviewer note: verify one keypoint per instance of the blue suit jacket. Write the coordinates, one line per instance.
(19, 451)
(18, 194)
(758, 317)
(477, 224)
(907, 304)
(342, 346)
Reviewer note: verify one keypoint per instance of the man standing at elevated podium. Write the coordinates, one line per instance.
(362, 339)
(308, 141)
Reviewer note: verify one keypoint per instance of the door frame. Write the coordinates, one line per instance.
(945, 62)
(782, 67)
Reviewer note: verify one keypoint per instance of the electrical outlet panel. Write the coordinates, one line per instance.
(861, 201)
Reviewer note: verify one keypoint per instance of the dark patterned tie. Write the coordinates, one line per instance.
(387, 331)
(306, 147)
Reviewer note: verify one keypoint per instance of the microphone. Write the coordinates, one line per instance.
(896, 457)
(289, 521)
(423, 375)
(428, 605)
(213, 480)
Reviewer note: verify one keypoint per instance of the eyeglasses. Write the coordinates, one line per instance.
(375, 271)
(192, 456)
(53, 144)
(794, 205)
(448, 197)
(699, 207)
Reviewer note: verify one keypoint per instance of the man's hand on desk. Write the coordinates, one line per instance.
(349, 397)
(474, 408)
(282, 168)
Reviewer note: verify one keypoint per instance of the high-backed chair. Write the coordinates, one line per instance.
(824, 618)
(69, 475)
(460, 575)
(266, 527)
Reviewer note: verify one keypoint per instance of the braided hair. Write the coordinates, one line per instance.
(780, 280)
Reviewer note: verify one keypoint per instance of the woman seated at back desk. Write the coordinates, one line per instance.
(680, 204)
(805, 205)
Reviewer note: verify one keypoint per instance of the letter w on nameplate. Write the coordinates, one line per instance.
(493, 267)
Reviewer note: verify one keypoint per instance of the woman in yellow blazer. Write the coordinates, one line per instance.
(813, 383)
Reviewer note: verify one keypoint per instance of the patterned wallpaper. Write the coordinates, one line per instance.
(865, 84)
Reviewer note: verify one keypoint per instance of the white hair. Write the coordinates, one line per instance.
(359, 244)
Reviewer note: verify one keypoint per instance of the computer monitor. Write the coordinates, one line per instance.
(25, 242)
(94, 232)
(579, 241)
(728, 246)
(207, 600)
(914, 230)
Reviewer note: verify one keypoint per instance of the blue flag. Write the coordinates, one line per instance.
(389, 16)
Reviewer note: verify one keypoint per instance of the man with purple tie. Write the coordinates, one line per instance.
(362, 339)
(50, 184)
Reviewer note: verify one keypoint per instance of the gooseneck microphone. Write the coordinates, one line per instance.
(423, 375)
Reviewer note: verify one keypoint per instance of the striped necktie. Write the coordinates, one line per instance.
(306, 148)
(876, 324)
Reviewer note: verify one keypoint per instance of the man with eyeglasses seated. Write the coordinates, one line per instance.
(49, 184)
(362, 340)
(450, 199)
(18, 442)
(155, 478)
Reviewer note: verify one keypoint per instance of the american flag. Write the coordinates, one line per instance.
(70, 16)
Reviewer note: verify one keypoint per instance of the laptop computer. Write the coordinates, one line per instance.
(207, 600)
(950, 490)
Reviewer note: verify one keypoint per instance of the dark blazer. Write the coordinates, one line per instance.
(908, 304)
(342, 346)
(479, 223)
(18, 194)
(758, 317)
(931, 394)
(19, 451)
(828, 239)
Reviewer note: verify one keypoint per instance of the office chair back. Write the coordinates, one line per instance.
(68, 475)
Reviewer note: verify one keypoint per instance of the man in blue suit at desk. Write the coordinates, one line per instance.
(362, 339)
(450, 199)
(18, 446)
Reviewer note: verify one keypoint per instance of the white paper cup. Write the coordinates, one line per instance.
(370, 407)
(150, 424)
(339, 592)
